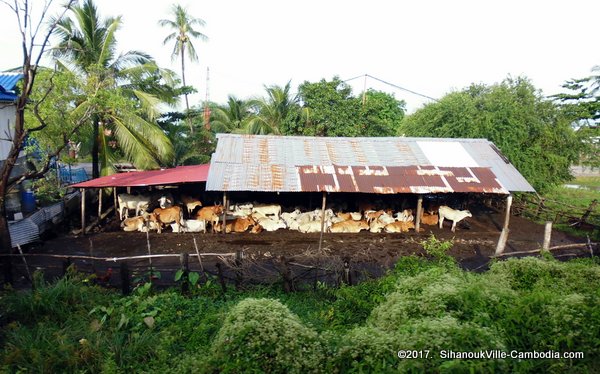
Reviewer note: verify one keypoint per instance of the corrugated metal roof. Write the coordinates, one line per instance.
(278, 163)
(8, 81)
(177, 175)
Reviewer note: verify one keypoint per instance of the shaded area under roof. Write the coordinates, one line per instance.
(373, 165)
(163, 177)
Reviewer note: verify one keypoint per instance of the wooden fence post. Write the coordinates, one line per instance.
(238, 271)
(505, 230)
(65, 266)
(221, 279)
(82, 211)
(288, 281)
(347, 277)
(184, 262)
(125, 280)
(589, 210)
(547, 235)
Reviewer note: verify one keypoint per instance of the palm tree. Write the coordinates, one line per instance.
(273, 111)
(183, 26)
(231, 117)
(121, 91)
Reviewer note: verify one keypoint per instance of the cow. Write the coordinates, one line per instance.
(126, 201)
(386, 218)
(188, 225)
(313, 226)
(138, 223)
(240, 224)
(404, 216)
(242, 210)
(375, 226)
(453, 215)
(288, 218)
(371, 215)
(429, 219)
(267, 210)
(164, 216)
(190, 203)
(399, 226)
(351, 226)
(210, 214)
(271, 224)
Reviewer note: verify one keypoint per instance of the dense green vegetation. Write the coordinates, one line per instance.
(531, 304)
(530, 130)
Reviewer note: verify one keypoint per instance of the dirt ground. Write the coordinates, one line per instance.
(265, 254)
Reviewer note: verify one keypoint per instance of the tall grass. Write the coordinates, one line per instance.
(422, 304)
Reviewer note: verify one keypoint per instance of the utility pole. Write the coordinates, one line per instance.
(206, 108)
(364, 98)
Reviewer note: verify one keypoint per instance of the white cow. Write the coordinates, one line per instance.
(454, 215)
(127, 201)
(267, 210)
(189, 225)
(190, 203)
(404, 216)
(270, 224)
(314, 226)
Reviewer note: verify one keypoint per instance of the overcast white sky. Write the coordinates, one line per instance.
(431, 47)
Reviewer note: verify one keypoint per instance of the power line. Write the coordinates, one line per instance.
(392, 85)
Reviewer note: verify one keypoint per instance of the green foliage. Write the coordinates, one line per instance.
(532, 132)
(438, 249)
(328, 108)
(262, 335)
(519, 304)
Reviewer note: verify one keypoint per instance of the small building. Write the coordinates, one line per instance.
(8, 110)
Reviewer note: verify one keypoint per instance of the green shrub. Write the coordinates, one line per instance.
(262, 335)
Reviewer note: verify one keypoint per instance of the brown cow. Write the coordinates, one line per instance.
(429, 219)
(164, 216)
(240, 224)
(349, 226)
(210, 214)
(399, 226)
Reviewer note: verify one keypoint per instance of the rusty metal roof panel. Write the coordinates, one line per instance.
(259, 162)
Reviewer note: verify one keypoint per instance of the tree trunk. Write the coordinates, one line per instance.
(95, 148)
(187, 103)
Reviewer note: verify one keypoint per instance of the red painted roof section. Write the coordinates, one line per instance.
(398, 179)
(177, 175)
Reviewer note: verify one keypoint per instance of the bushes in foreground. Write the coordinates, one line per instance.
(422, 305)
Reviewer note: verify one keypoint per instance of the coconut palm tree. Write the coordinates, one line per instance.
(122, 91)
(273, 110)
(231, 117)
(183, 33)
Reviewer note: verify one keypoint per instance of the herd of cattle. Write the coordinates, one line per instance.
(258, 217)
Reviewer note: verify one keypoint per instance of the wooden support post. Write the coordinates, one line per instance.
(322, 219)
(125, 280)
(115, 202)
(547, 235)
(419, 213)
(288, 281)
(224, 212)
(185, 268)
(504, 234)
(151, 271)
(99, 203)
(82, 211)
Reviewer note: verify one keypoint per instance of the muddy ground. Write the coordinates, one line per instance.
(265, 255)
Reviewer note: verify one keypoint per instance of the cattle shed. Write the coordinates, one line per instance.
(163, 177)
(375, 165)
